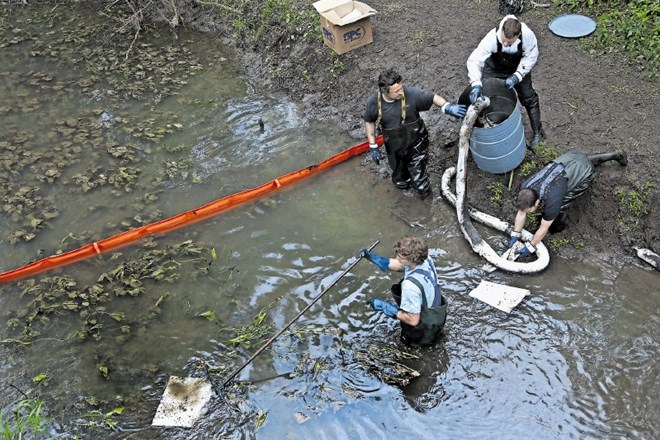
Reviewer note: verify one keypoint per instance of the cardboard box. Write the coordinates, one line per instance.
(345, 24)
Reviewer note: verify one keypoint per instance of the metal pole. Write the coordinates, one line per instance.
(275, 336)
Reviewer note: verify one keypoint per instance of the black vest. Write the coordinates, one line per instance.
(503, 62)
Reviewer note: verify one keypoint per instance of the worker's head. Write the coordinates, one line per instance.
(528, 200)
(511, 31)
(389, 84)
(411, 248)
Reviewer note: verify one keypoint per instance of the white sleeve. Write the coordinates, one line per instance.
(411, 297)
(478, 57)
(530, 51)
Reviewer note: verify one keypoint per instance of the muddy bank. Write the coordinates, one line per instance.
(589, 102)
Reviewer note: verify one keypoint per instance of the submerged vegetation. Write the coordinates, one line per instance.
(100, 135)
(98, 306)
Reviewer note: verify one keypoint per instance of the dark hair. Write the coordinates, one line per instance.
(527, 197)
(387, 79)
(511, 28)
(412, 248)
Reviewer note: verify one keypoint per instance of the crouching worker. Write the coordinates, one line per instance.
(420, 305)
(557, 186)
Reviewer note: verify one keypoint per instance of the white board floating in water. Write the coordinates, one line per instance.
(182, 402)
(500, 296)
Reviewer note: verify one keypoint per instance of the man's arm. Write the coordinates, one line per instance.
(541, 232)
(476, 60)
(370, 128)
(411, 299)
(530, 52)
(439, 100)
(408, 318)
(519, 223)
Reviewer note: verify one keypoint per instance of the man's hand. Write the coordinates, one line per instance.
(511, 81)
(526, 250)
(375, 153)
(475, 94)
(456, 110)
(382, 262)
(387, 308)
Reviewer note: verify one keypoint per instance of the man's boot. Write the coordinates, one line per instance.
(538, 135)
(619, 155)
(559, 224)
(426, 193)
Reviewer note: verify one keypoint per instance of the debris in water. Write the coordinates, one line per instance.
(182, 402)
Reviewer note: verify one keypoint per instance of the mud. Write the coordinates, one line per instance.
(591, 102)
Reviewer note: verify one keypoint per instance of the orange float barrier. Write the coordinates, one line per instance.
(180, 220)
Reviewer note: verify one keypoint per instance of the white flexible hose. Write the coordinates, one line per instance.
(469, 231)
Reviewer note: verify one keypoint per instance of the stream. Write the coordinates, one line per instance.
(99, 138)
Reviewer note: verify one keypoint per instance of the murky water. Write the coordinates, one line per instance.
(577, 359)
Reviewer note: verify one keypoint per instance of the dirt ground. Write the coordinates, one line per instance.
(591, 102)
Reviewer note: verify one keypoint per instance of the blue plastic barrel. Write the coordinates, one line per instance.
(497, 143)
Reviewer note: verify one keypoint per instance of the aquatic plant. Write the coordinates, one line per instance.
(61, 295)
(25, 420)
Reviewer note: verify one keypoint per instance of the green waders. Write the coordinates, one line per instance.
(431, 320)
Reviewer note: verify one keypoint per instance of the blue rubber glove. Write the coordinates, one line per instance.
(526, 250)
(456, 110)
(515, 236)
(382, 262)
(380, 305)
(511, 81)
(475, 94)
(375, 153)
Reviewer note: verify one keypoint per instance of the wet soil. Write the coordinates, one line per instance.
(590, 101)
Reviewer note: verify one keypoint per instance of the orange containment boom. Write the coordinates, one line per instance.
(180, 220)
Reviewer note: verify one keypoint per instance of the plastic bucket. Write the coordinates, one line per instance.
(497, 143)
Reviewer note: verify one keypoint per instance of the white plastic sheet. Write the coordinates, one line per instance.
(500, 296)
(183, 402)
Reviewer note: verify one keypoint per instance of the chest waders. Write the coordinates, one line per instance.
(501, 64)
(542, 181)
(580, 173)
(432, 319)
(407, 151)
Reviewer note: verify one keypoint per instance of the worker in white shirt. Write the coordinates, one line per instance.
(509, 52)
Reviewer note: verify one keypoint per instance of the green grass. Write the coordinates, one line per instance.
(633, 204)
(629, 26)
(557, 243)
(24, 421)
(294, 19)
(496, 192)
